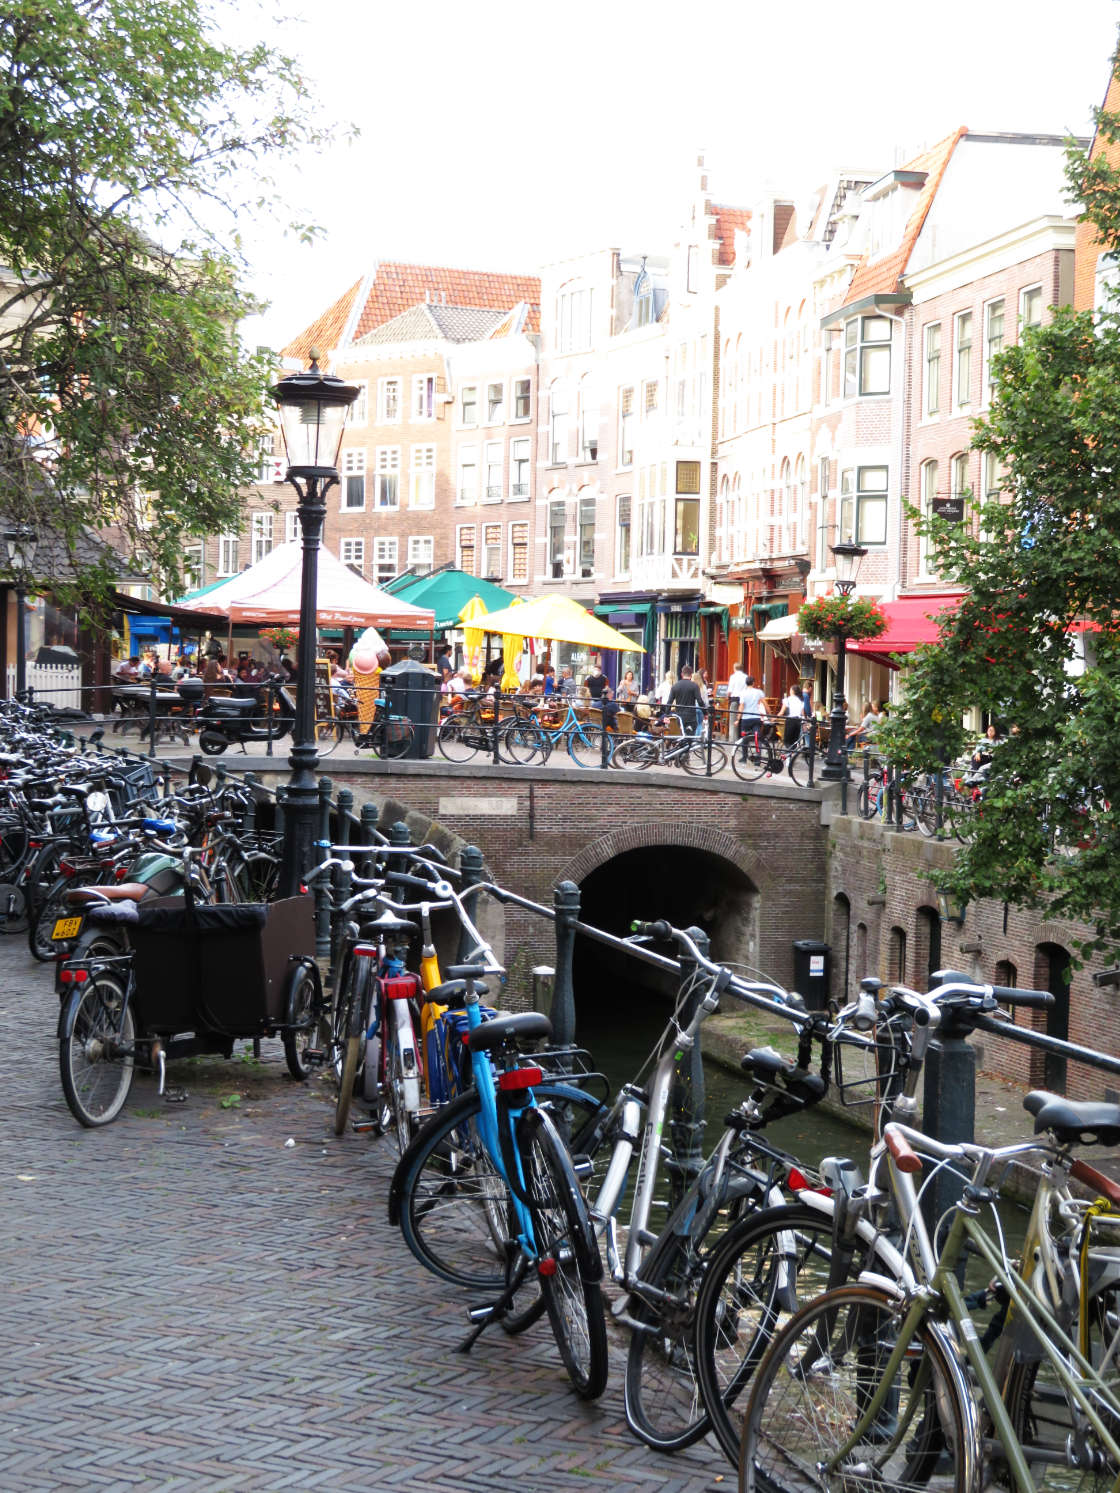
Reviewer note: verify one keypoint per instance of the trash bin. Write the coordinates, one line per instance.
(412, 690)
(812, 972)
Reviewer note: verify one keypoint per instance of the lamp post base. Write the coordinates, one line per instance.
(835, 765)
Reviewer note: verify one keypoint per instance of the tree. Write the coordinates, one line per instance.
(1041, 568)
(126, 404)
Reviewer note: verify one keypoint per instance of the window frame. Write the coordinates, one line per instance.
(858, 351)
(998, 303)
(492, 492)
(585, 537)
(520, 491)
(386, 475)
(354, 466)
(416, 562)
(488, 544)
(858, 499)
(226, 538)
(461, 549)
(559, 435)
(422, 469)
(962, 359)
(354, 544)
(379, 571)
(518, 539)
(389, 409)
(518, 397)
(464, 405)
(931, 370)
(496, 413)
(557, 534)
(464, 499)
(1030, 290)
(262, 533)
(423, 396)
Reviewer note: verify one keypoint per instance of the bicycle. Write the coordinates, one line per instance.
(646, 749)
(757, 754)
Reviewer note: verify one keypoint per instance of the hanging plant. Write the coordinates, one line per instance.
(840, 616)
(281, 638)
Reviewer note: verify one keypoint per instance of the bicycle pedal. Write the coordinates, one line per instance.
(313, 1055)
(363, 1127)
(583, 1166)
(175, 1096)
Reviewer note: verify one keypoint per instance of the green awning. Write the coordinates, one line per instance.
(446, 593)
(611, 608)
(723, 613)
(772, 609)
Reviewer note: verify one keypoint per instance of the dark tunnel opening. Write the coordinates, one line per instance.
(620, 1001)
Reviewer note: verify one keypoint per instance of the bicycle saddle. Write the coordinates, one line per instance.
(450, 993)
(526, 1025)
(769, 1066)
(126, 891)
(388, 922)
(1071, 1122)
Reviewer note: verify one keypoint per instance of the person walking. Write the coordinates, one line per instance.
(793, 709)
(736, 684)
(686, 699)
(752, 715)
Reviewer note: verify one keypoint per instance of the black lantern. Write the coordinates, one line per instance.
(847, 557)
(21, 544)
(313, 408)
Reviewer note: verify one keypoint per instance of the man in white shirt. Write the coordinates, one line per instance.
(752, 716)
(735, 687)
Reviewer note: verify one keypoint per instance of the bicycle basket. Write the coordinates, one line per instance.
(869, 1068)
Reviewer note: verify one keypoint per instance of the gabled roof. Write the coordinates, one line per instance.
(728, 219)
(882, 276)
(392, 288)
(427, 323)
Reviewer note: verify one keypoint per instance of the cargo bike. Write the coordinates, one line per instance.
(197, 979)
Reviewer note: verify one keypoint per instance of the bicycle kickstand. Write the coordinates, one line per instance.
(494, 1311)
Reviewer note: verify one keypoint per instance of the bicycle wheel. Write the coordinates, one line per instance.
(751, 759)
(585, 746)
(402, 1087)
(451, 1203)
(302, 1020)
(815, 1384)
(695, 759)
(761, 1272)
(522, 742)
(41, 923)
(633, 752)
(867, 799)
(458, 740)
(328, 734)
(348, 1031)
(95, 1055)
(13, 907)
(799, 766)
(664, 1404)
(923, 805)
(568, 1262)
(393, 738)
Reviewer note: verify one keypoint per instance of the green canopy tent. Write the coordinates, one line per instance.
(446, 593)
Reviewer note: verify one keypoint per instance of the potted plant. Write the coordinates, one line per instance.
(840, 616)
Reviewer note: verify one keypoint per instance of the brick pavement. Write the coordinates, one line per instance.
(188, 1304)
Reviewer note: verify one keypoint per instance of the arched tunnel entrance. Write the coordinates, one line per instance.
(619, 1000)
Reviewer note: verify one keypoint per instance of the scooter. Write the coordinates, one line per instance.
(224, 719)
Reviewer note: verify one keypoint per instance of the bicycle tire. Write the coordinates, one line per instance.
(634, 753)
(328, 734)
(751, 761)
(522, 742)
(662, 1397)
(348, 1036)
(799, 766)
(585, 746)
(301, 1023)
(757, 1276)
(459, 740)
(392, 740)
(815, 1381)
(565, 1240)
(450, 1202)
(13, 908)
(402, 1090)
(95, 1052)
(695, 759)
(41, 922)
(867, 801)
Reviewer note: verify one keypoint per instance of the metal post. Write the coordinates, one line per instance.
(269, 704)
(281, 800)
(152, 717)
(322, 892)
(21, 642)
(345, 815)
(367, 826)
(301, 813)
(812, 750)
(686, 1100)
(939, 801)
(565, 899)
(470, 865)
(604, 744)
(252, 782)
(949, 1106)
(497, 738)
(399, 834)
(543, 977)
(711, 713)
(836, 758)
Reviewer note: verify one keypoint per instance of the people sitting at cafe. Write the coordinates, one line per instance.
(129, 671)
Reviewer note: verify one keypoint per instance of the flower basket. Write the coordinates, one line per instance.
(281, 638)
(838, 616)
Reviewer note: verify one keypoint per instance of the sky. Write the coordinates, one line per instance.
(514, 135)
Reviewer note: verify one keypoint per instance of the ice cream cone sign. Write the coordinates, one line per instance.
(368, 657)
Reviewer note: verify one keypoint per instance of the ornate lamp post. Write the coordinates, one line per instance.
(313, 408)
(21, 543)
(848, 556)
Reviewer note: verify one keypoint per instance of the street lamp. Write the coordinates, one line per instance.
(21, 543)
(313, 408)
(847, 559)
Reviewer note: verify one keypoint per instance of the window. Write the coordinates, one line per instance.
(929, 492)
(492, 453)
(387, 481)
(468, 405)
(649, 396)
(227, 554)
(492, 551)
(522, 398)
(389, 401)
(823, 528)
(558, 423)
(464, 544)
(557, 521)
(495, 403)
(867, 356)
(995, 477)
(292, 531)
(688, 476)
(421, 551)
(933, 368)
(353, 478)
(1030, 307)
(384, 560)
(588, 419)
(993, 343)
(962, 356)
(272, 464)
(622, 536)
(359, 410)
(422, 478)
(586, 537)
(518, 552)
(958, 475)
(519, 474)
(261, 536)
(352, 552)
(626, 426)
(467, 488)
(194, 573)
(686, 533)
(863, 505)
(573, 319)
(423, 396)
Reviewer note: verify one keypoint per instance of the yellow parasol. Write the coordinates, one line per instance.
(560, 619)
(511, 650)
(472, 636)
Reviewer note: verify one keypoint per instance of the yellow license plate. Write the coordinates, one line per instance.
(66, 928)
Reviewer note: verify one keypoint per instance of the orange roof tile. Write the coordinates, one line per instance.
(882, 276)
(728, 219)
(392, 288)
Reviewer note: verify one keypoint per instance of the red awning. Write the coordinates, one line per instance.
(909, 622)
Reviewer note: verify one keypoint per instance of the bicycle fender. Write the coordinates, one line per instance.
(885, 1251)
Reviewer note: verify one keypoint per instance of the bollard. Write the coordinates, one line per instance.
(345, 816)
(152, 717)
(565, 900)
(341, 887)
(399, 834)
(544, 982)
(269, 705)
(252, 782)
(939, 803)
(281, 799)
(497, 738)
(470, 864)
(948, 1108)
(812, 751)
(686, 1098)
(711, 734)
(604, 744)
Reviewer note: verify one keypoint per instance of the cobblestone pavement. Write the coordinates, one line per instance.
(187, 1302)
